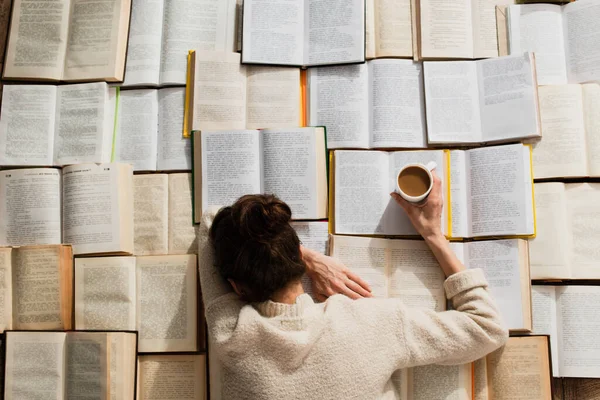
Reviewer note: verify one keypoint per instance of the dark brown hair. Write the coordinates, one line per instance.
(256, 247)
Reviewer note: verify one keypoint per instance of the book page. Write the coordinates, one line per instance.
(94, 53)
(582, 34)
(182, 231)
(523, 360)
(92, 219)
(415, 275)
(219, 91)
(6, 312)
(82, 123)
(290, 170)
(361, 191)
(105, 293)
(578, 326)
(583, 216)
(480, 383)
(334, 32)
(273, 32)
(499, 206)
(145, 39)
(451, 382)
(446, 29)
(397, 104)
(591, 115)
(452, 101)
(366, 257)
(549, 251)
(86, 365)
(338, 99)
(37, 50)
(500, 262)
(507, 86)
(393, 28)
(174, 151)
(30, 207)
(313, 235)
(394, 219)
(193, 25)
(563, 150)
(538, 28)
(543, 311)
(273, 97)
(459, 180)
(37, 290)
(231, 166)
(27, 125)
(35, 365)
(123, 359)
(136, 136)
(485, 38)
(150, 214)
(157, 375)
(167, 299)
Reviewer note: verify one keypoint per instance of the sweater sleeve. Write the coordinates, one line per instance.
(222, 305)
(470, 331)
(415, 336)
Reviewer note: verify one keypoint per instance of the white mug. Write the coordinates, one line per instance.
(427, 168)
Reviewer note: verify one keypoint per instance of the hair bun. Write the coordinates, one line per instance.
(261, 218)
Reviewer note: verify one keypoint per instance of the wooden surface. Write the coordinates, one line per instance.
(576, 389)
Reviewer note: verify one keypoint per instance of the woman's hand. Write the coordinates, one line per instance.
(426, 217)
(329, 276)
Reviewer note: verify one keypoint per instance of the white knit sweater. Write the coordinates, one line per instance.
(342, 348)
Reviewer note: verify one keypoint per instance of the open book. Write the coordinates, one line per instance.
(362, 183)
(566, 246)
(37, 287)
(43, 125)
(569, 314)
(227, 95)
(303, 33)
(458, 28)
(67, 40)
(476, 101)
(389, 28)
(289, 163)
(379, 104)
(155, 295)
(518, 370)
(162, 215)
(407, 269)
(179, 376)
(564, 39)
(162, 32)
(492, 192)
(94, 200)
(70, 365)
(571, 130)
(149, 127)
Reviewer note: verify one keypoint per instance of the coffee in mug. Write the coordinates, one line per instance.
(415, 181)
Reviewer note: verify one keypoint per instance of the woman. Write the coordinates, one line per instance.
(274, 342)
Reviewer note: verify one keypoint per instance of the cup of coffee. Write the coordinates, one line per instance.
(415, 181)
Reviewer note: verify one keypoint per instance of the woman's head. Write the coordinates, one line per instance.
(255, 246)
